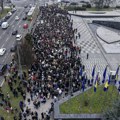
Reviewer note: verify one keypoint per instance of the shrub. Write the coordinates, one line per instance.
(71, 8)
(117, 6)
(106, 6)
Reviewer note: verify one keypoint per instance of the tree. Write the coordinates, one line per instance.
(1, 4)
(108, 2)
(101, 3)
(26, 53)
(113, 113)
(28, 38)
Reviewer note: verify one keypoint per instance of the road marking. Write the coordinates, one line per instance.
(11, 22)
(7, 39)
(2, 45)
(5, 56)
(3, 60)
(2, 83)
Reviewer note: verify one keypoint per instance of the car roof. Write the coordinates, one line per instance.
(1, 49)
(18, 35)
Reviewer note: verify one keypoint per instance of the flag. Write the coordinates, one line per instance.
(81, 71)
(106, 86)
(109, 80)
(84, 81)
(95, 87)
(96, 82)
(116, 74)
(93, 71)
(83, 85)
(104, 74)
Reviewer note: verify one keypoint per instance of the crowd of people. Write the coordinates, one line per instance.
(55, 71)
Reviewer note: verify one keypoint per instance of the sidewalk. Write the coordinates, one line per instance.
(95, 13)
(43, 107)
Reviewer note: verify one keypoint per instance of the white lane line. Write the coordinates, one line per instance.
(3, 60)
(5, 56)
(11, 22)
(18, 16)
(7, 39)
(2, 83)
(2, 45)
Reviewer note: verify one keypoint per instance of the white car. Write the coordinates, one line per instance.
(5, 25)
(2, 51)
(18, 37)
(16, 18)
(9, 14)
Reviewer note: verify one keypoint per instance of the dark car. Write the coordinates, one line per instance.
(25, 18)
(13, 48)
(13, 10)
(25, 6)
(1, 22)
(3, 68)
(6, 18)
(14, 32)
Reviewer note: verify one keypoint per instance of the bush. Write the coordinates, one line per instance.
(71, 8)
(80, 8)
(86, 103)
(117, 6)
(88, 6)
(73, 3)
(106, 6)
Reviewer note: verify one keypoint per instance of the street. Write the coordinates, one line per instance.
(7, 40)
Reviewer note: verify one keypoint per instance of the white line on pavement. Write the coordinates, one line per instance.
(2, 45)
(7, 39)
(3, 60)
(5, 56)
(2, 83)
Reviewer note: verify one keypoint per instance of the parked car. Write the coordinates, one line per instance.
(6, 17)
(4, 25)
(9, 14)
(3, 68)
(1, 22)
(2, 51)
(13, 10)
(15, 32)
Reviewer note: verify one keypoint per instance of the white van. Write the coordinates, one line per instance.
(4, 25)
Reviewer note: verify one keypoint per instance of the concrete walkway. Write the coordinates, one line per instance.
(43, 107)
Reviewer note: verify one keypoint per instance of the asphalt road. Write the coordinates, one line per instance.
(7, 40)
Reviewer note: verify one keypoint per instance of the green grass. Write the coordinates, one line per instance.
(95, 102)
(5, 11)
(14, 101)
